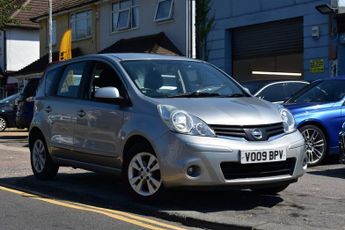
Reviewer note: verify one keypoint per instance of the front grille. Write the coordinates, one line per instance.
(235, 170)
(268, 131)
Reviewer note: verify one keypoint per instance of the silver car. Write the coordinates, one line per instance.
(161, 122)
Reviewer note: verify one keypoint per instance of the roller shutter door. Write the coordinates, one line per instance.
(268, 39)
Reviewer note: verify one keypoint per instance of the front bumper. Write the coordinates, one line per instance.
(177, 152)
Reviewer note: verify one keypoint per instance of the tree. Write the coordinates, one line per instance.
(7, 8)
(204, 25)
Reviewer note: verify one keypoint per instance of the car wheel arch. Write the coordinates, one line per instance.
(34, 132)
(135, 139)
(317, 124)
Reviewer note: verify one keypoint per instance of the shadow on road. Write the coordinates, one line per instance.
(108, 192)
(338, 173)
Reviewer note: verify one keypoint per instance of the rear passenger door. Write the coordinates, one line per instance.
(62, 109)
(98, 124)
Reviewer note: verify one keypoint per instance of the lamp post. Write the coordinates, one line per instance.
(50, 33)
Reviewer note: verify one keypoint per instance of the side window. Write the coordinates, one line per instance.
(51, 81)
(273, 93)
(70, 81)
(292, 88)
(103, 75)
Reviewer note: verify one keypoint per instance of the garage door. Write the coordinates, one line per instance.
(275, 47)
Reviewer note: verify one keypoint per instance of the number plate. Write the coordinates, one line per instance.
(254, 156)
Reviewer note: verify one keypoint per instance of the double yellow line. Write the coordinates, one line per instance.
(114, 214)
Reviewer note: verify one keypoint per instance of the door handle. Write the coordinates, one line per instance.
(81, 113)
(48, 109)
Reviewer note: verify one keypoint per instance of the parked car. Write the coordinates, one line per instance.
(342, 144)
(25, 104)
(8, 112)
(319, 113)
(274, 91)
(114, 113)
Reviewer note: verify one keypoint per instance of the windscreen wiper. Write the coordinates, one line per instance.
(194, 94)
(237, 95)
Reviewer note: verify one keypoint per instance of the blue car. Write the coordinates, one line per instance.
(319, 112)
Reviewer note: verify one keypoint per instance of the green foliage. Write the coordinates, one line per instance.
(204, 24)
(7, 8)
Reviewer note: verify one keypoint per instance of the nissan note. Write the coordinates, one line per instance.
(161, 122)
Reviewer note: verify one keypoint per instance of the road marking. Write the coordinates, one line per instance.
(115, 214)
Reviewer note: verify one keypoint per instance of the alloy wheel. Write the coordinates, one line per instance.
(2, 124)
(144, 174)
(315, 145)
(38, 156)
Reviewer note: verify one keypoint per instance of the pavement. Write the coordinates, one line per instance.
(316, 201)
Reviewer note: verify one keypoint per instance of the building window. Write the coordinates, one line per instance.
(125, 15)
(81, 25)
(164, 10)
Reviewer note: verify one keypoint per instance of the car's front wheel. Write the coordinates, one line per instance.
(3, 124)
(142, 173)
(42, 165)
(315, 143)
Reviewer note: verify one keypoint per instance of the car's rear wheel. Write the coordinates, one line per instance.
(3, 124)
(271, 190)
(142, 173)
(42, 165)
(315, 143)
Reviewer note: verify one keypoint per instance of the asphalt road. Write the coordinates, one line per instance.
(317, 201)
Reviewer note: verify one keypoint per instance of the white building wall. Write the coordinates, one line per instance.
(22, 48)
(175, 29)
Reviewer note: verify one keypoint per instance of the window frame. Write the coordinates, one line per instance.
(72, 21)
(170, 17)
(81, 85)
(129, 25)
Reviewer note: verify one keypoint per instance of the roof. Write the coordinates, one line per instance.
(29, 9)
(63, 5)
(156, 43)
(41, 64)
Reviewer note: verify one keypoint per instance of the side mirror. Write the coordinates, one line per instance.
(107, 93)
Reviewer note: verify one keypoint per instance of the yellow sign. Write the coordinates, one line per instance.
(66, 46)
(317, 65)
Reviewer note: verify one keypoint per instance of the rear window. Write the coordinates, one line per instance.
(71, 80)
(51, 81)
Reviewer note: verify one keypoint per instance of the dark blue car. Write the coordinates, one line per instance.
(25, 104)
(8, 112)
(319, 112)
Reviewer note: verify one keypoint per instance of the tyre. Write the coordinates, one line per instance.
(41, 163)
(3, 124)
(315, 143)
(271, 190)
(142, 174)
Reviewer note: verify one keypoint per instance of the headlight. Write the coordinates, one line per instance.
(288, 121)
(182, 122)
